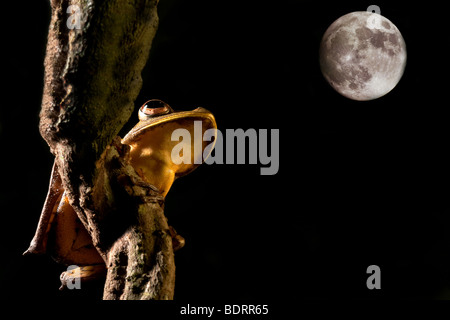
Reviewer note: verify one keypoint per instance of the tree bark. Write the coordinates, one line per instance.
(92, 78)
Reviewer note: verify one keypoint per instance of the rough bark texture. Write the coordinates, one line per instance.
(131, 231)
(92, 78)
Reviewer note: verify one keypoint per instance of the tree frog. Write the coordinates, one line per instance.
(61, 233)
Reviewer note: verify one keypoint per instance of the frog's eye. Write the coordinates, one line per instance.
(153, 108)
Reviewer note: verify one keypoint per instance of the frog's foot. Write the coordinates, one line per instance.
(73, 277)
(78, 275)
(177, 240)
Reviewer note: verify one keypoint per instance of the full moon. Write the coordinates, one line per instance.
(362, 55)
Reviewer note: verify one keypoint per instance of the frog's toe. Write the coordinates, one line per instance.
(31, 250)
(73, 277)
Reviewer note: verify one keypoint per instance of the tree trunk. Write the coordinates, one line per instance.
(95, 55)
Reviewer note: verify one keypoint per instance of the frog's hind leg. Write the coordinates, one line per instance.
(38, 244)
(69, 241)
(71, 244)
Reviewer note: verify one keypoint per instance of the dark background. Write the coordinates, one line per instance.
(360, 183)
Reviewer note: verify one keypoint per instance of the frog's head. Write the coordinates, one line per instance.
(151, 142)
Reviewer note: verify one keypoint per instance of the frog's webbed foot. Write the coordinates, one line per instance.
(78, 275)
(177, 240)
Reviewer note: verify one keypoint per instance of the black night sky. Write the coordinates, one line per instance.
(359, 183)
